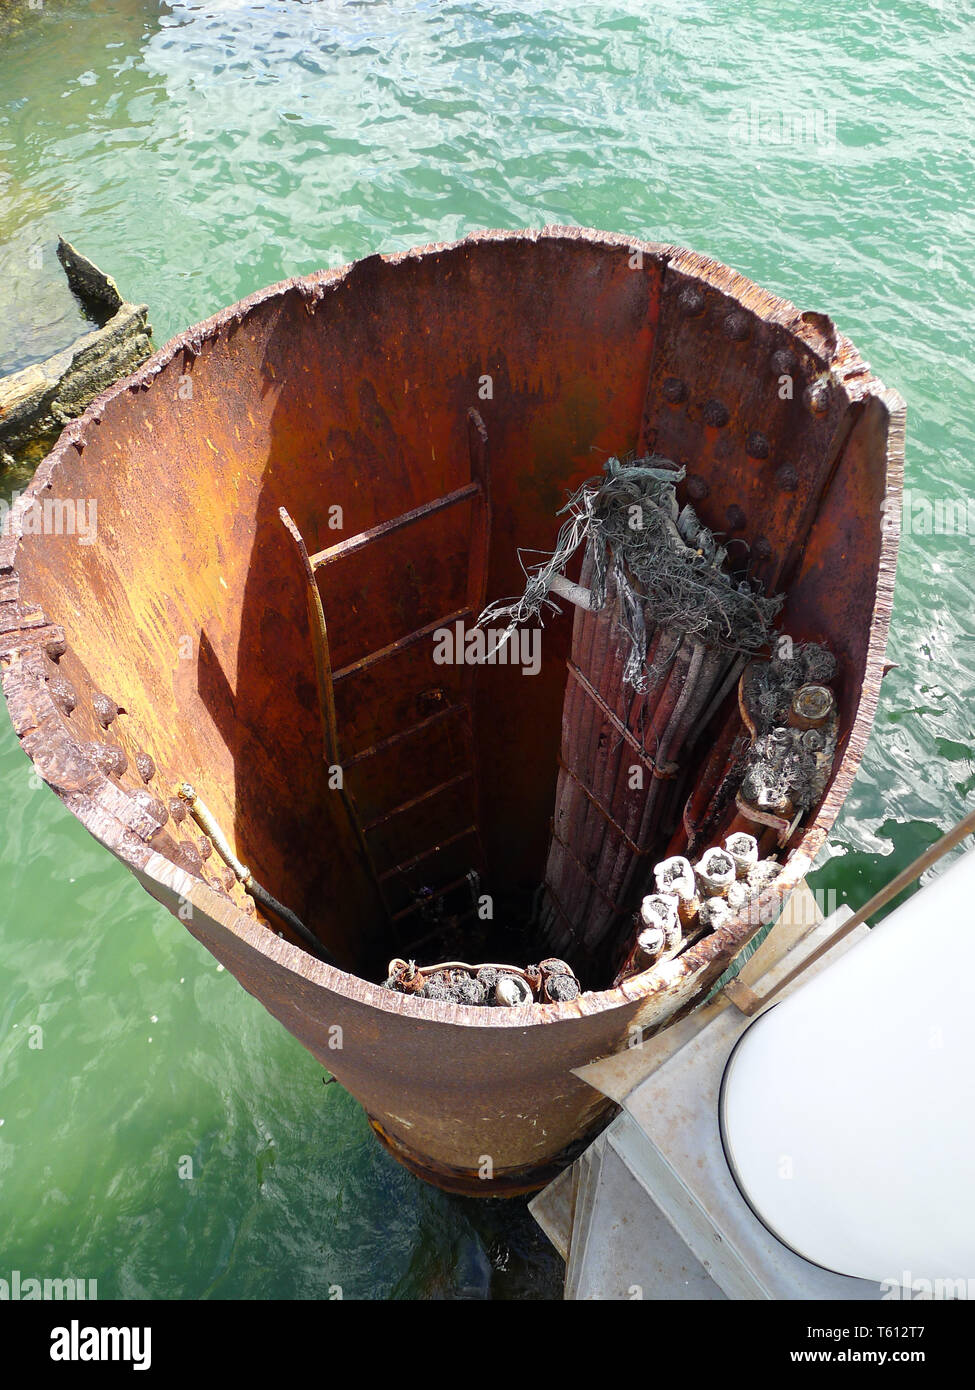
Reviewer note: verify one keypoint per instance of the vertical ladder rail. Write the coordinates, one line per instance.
(326, 693)
(477, 491)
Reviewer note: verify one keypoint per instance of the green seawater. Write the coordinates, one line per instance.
(198, 151)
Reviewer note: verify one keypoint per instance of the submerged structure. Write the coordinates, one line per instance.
(37, 400)
(305, 504)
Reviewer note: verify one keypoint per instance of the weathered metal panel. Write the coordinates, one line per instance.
(352, 387)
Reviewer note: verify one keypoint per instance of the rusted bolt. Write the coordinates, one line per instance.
(674, 390)
(146, 767)
(64, 694)
(697, 487)
(817, 398)
(205, 848)
(762, 548)
(691, 301)
(787, 478)
(715, 414)
(757, 446)
(178, 809)
(106, 710)
(812, 705)
(784, 362)
(735, 518)
(56, 648)
(736, 325)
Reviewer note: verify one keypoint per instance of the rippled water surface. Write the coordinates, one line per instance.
(198, 151)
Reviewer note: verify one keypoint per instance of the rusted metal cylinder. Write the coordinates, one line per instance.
(190, 614)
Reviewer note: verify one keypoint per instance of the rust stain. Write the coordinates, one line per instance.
(588, 356)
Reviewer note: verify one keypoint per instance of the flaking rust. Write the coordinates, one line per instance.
(680, 358)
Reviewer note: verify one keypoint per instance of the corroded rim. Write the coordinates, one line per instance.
(701, 963)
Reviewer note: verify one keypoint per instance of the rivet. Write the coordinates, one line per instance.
(177, 809)
(147, 768)
(817, 398)
(736, 325)
(784, 362)
(106, 710)
(691, 301)
(151, 805)
(56, 648)
(762, 548)
(735, 518)
(674, 390)
(189, 856)
(205, 848)
(697, 487)
(787, 478)
(715, 414)
(64, 694)
(109, 757)
(757, 446)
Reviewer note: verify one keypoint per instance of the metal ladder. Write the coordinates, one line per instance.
(388, 877)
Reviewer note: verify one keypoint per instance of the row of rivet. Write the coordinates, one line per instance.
(111, 759)
(736, 325)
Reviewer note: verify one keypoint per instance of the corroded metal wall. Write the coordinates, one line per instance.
(352, 388)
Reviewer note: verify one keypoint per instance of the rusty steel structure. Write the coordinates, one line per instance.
(292, 499)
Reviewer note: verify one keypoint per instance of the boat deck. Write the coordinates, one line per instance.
(651, 1210)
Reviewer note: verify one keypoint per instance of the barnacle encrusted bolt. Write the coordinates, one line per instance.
(812, 706)
(743, 850)
(511, 991)
(675, 877)
(716, 873)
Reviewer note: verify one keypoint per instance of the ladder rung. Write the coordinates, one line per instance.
(386, 528)
(410, 864)
(393, 739)
(400, 645)
(439, 893)
(418, 800)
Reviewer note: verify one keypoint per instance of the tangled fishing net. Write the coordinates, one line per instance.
(666, 565)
